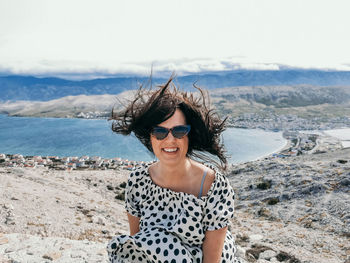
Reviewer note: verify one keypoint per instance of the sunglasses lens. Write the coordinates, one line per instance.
(180, 131)
(160, 133)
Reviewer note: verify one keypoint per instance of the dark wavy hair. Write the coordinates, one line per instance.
(151, 107)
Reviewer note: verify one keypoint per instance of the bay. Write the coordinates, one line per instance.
(78, 137)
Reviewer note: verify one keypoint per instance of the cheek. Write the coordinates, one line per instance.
(154, 144)
(186, 144)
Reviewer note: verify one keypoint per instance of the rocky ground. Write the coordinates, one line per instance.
(287, 210)
(59, 215)
(298, 205)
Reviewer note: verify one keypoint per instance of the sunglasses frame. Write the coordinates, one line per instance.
(172, 131)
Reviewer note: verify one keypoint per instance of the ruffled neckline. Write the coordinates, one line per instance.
(190, 196)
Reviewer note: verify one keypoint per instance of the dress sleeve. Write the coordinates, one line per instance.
(219, 205)
(132, 194)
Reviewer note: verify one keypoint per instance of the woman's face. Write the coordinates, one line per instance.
(171, 150)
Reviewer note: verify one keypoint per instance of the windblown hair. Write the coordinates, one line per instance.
(151, 107)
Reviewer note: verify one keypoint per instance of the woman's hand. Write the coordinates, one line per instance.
(134, 224)
(213, 244)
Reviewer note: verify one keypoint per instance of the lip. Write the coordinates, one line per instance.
(171, 153)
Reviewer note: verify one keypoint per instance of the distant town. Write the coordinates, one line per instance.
(275, 122)
(270, 122)
(66, 163)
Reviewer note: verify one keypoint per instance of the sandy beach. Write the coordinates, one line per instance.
(293, 209)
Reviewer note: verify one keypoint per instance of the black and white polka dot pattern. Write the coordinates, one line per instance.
(172, 224)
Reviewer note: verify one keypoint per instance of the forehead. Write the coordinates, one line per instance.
(178, 118)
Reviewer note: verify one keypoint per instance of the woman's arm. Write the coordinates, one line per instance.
(213, 244)
(134, 224)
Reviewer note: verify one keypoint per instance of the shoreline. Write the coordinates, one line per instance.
(267, 155)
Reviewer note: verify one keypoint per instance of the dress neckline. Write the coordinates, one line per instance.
(202, 198)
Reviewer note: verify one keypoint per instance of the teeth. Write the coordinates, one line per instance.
(170, 149)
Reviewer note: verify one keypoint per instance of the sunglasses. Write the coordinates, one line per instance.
(178, 131)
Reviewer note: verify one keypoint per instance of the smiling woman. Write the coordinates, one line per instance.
(178, 208)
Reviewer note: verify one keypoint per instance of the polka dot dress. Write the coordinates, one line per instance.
(172, 224)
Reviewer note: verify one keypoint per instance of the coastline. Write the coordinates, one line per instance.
(278, 150)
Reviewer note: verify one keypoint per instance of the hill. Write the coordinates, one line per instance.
(44, 89)
(276, 107)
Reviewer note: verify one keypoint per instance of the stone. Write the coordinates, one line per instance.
(4, 240)
(255, 238)
(65, 246)
(9, 250)
(102, 252)
(267, 254)
(8, 206)
(77, 254)
(99, 220)
(240, 252)
(4, 259)
(52, 255)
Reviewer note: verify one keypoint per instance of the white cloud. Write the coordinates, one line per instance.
(86, 70)
(107, 36)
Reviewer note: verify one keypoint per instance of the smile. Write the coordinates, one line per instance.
(170, 150)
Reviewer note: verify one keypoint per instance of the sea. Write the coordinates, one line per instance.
(80, 137)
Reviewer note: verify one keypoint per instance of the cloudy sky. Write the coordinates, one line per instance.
(52, 37)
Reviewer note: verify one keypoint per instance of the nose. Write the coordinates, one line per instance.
(170, 137)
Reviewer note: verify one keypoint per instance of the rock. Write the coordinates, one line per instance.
(77, 254)
(102, 252)
(99, 220)
(65, 246)
(264, 212)
(254, 252)
(283, 256)
(9, 250)
(255, 238)
(345, 182)
(52, 255)
(342, 161)
(4, 259)
(8, 206)
(267, 254)
(274, 260)
(240, 252)
(3, 240)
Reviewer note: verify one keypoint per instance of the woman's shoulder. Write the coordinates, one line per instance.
(137, 173)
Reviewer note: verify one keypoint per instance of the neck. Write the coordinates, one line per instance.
(172, 174)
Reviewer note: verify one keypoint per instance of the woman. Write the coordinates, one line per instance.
(178, 208)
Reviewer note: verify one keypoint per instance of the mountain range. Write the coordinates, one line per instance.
(31, 88)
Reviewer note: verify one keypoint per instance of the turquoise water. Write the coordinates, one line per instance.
(77, 137)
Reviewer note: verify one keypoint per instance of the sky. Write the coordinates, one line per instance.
(106, 37)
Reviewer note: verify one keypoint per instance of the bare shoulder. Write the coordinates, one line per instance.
(152, 169)
(209, 179)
